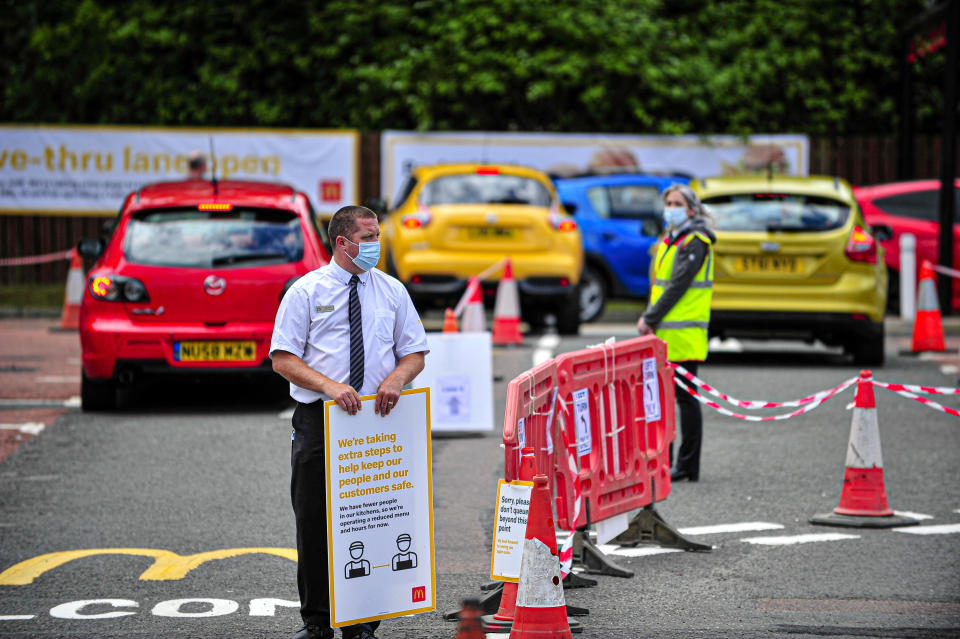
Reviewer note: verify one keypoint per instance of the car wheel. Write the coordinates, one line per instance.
(893, 292)
(593, 294)
(97, 394)
(867, 349)
(568, 316)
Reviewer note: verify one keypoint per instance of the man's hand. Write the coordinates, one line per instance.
(643, 328)
(345, 395)
(387, 396)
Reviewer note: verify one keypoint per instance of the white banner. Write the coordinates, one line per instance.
(380, 510)
(694, 155)
(88, 170)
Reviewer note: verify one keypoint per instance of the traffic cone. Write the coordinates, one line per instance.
(469, 625)
(927, 325)
(506, 311)
(70, 318)
(863, 499)
(473, 313)
(541, 612)
(450, 322)
(502, 620)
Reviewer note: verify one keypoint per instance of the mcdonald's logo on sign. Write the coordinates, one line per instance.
(330, 191)
(419, 593)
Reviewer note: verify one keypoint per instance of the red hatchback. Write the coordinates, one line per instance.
(189, 281)
(909, 207)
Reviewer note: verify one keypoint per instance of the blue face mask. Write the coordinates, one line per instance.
(674, 216)
(368, 256)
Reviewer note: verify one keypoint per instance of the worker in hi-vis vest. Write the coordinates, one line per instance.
(679, 308)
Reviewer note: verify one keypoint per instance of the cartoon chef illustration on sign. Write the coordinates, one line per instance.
(404, 560)
(358, 567)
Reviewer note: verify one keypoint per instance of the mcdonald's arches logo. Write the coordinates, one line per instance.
(419, 593)
(166, 565)
(331, 190)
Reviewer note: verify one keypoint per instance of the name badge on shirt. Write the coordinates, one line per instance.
(325, 309)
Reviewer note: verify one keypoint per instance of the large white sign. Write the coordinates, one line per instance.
(380, 510)
(89, 170)
(459, 373)
(695, 155)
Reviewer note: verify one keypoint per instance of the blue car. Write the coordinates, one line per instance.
(620, 220)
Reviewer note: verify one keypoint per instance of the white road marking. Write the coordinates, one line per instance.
(16, 617)
(948, 369)
(641, 551)
(907, 513)
(797, 539)
(31, 428)
(729, 345)
(747, 526)
(544, 348)
(943, 529)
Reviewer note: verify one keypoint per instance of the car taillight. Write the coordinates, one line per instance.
(563, 223)
(116, 288)
(416, 220)
(861, 247)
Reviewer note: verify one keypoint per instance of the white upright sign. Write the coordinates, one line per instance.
(459, 373)
(651, 390)
(510, 528)
(380, 510)
(581, 415)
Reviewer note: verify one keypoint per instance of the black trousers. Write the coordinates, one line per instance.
(308, 492)
(691, 427)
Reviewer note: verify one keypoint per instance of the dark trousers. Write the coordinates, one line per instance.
(309, 495)
(691, 427)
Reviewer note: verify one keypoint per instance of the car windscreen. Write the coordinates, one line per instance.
(485, 189)
(188, 237)
(776, 212)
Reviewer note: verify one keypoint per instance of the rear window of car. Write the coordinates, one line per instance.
(188, 237)
(485, 189)
(776, 212)
(632, 201)
(919, 205)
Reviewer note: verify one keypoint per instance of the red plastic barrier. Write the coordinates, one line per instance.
(530, 402)
(629, 454)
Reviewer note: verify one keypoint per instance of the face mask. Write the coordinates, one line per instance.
(674, 216)
(368, 256)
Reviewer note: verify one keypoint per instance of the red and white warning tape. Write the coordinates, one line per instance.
(36, 259)
(808, 403)
(566, 551)
(900, 389)
(945, 270)
(818, 398)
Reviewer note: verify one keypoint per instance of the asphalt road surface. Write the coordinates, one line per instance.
(188, 469)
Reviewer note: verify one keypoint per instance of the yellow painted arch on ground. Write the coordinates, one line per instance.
(166, 565)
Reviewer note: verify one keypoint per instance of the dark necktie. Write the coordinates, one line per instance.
(356, 337)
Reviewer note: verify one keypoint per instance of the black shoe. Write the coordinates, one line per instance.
(363, 633)
(680, 475)
(314, 632)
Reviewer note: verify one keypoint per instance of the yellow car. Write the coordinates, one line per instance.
(795, 259)
(455, 221)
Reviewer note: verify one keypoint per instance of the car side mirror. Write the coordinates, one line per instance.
(91, 247)
(882, 232)
(570, 207)
(376, 204)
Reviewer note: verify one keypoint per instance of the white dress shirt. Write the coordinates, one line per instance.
(313, 324)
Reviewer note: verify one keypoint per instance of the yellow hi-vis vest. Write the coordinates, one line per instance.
(684, 327)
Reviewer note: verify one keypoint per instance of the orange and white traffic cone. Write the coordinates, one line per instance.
(506, 310)
(473, 313)
(863, 499)
(927, 325)
(502, 620)
(541, 612)
(450, 322)
(70, 317)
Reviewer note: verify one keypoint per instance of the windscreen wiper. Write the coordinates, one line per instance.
(247, 257)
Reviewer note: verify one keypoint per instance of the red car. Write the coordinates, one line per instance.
(909, 207)
(189, 282)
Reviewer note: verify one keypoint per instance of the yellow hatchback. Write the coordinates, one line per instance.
(795, 260)
(455, 221)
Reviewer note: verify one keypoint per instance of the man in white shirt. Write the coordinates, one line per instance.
(342, 331)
